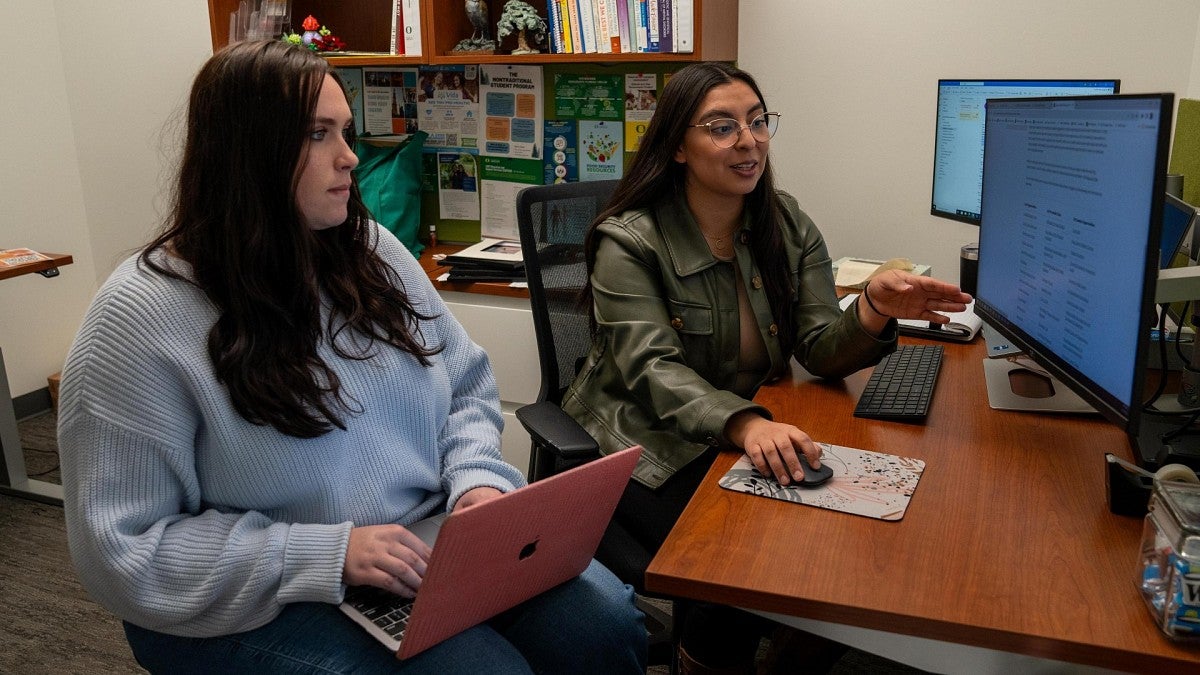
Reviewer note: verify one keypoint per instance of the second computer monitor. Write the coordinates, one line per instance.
(958, 141)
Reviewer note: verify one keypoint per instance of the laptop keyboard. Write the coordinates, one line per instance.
(901, 386)
(386, 610)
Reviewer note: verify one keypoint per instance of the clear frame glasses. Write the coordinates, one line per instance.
(725, 132)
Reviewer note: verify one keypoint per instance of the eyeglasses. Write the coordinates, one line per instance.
(725, 132)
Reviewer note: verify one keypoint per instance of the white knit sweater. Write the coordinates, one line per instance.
(184, 518)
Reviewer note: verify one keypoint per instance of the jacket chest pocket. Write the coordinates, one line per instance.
(690, 318)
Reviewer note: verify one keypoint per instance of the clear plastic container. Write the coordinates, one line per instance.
(1170, 561)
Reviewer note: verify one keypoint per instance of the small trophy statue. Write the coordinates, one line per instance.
(520, 17)
(480, 40)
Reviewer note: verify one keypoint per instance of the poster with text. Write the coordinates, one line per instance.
(595, 97)
(448, 105)
(641, 98)
(458, 186)
(352, 78)
(389, 101)
(503, 178)
(511, 102)
(561, 154)
(600, 155)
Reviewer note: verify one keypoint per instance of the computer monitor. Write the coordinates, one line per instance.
(958, 138)
(1073, 192)
(1176, 247)
(1177, 232)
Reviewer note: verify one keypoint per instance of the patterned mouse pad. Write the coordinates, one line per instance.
(864, 483)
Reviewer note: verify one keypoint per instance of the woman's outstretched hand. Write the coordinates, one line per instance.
(903, 295)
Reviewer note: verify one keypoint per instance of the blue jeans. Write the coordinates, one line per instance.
(586, 625)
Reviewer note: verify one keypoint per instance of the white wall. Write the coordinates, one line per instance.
(856, 83)
(87, 87)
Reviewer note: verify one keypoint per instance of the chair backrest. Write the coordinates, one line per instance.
(553, 220)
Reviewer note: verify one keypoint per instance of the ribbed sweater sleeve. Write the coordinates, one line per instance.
(184, 518)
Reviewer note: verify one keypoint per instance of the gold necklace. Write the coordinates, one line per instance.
(722, 246)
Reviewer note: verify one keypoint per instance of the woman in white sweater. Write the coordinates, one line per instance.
(259, 401)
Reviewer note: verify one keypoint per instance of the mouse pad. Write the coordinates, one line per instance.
(864, 483)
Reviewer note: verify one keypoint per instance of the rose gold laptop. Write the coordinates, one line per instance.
(496, 554)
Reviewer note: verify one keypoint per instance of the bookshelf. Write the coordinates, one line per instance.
(365, 25)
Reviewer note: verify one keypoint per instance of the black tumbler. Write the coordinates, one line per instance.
(968, 268)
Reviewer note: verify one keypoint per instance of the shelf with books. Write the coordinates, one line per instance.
(366, 26)
(713, 22)
(373, 30)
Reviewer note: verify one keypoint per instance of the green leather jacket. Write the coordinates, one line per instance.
(667, 341)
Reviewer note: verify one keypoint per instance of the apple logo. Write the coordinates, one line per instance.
(528, 550)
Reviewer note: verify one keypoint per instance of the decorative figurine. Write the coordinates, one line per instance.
(520, 17)
(316, 37)
(480, 40)
(310, 26)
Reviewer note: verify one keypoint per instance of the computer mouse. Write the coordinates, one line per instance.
(814, 477)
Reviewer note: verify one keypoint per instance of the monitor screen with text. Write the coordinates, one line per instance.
(958, 141)
(1069, 241)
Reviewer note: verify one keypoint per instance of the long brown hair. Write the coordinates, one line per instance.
(234, 220)
(655, 175)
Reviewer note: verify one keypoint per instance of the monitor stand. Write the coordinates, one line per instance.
(1011, 386)
(1152, 452)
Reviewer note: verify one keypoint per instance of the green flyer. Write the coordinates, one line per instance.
(589, 97)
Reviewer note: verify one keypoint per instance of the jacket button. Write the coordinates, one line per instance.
(773, 330)
(677, 323)
(712, 440)
(756, 282)
(745, 238)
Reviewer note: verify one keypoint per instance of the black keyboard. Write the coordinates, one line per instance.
(902, 384)
(388, 611)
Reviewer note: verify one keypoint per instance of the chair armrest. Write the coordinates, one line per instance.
(556, 431)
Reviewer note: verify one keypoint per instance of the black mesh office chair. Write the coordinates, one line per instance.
(553, 220)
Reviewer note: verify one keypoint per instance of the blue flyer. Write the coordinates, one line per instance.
(561, 156)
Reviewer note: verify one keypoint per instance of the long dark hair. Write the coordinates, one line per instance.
(234, 220)
(655, 175)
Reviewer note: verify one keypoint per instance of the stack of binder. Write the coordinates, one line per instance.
(489, 260)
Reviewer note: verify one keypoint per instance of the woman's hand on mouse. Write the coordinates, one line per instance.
(386, 556)
(774, 448)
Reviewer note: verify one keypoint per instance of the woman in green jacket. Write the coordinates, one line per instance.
(705, 280)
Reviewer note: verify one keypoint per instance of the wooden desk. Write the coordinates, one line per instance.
(1007, 544)
(13, 479)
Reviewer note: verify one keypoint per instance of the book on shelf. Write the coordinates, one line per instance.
(666, 39)
(412, 27)
(685, 26)
(614, 26)
(652, 26)
(554, 27)
(587, 26)
(396, 41)
(565, 17)
(642, 38)
(623, 34)
(573, 21)
(603, 45)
